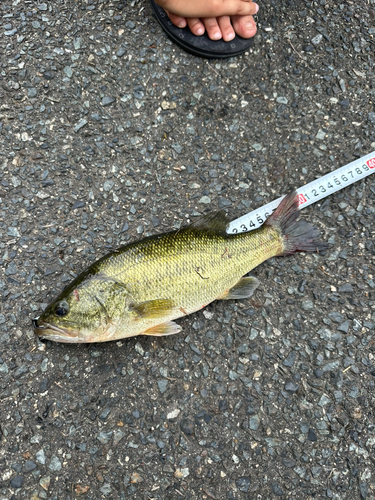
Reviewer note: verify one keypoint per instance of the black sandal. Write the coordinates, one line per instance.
(201, 46)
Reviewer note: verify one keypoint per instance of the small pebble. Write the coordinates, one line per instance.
(187, 426)
(17, 482)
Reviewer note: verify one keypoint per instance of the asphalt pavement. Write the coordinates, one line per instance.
(110, 132)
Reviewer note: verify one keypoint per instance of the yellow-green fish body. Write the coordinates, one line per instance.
(142, 287)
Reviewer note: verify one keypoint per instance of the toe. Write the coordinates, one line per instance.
(196, 26)
(178, 21)
(244, 26)
(226, 28)
(212, 28)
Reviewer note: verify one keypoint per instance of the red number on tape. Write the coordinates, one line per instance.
(301, 199)
(371, 163)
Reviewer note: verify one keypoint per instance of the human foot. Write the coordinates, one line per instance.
(219, 21)
(224, 27)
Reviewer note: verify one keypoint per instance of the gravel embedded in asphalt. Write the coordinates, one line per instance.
(109, 132)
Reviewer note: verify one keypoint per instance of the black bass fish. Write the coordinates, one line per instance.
(143, 287)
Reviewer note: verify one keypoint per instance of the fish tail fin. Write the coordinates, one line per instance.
(297, 235)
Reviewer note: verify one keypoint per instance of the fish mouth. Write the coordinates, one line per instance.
(47, 331)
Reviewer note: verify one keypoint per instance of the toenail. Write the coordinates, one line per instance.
(200, 31)
(216, 36)
(249, 27)
(181, 24)
(256, 7)
(230, 36)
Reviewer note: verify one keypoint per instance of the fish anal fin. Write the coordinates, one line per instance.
(214, 221)
(153, 309)
(168, 328)
(243, 289)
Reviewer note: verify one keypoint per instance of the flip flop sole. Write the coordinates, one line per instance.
(201, 46)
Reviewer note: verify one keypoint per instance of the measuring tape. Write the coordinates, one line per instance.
(310, 193)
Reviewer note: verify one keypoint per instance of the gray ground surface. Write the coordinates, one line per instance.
(110, 132)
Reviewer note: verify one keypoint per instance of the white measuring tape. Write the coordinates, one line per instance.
(310, 193)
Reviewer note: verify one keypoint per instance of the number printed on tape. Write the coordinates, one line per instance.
(312, 192)
(301, 199)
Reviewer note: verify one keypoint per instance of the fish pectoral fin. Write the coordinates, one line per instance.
(241, 290)
(168, 328)
(153, 309)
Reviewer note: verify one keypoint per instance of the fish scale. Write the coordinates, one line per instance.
(191, 266)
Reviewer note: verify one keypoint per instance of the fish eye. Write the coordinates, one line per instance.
(61, 309)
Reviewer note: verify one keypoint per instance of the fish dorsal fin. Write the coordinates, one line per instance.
(168, 328)
(153, 309)
(216, 222)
